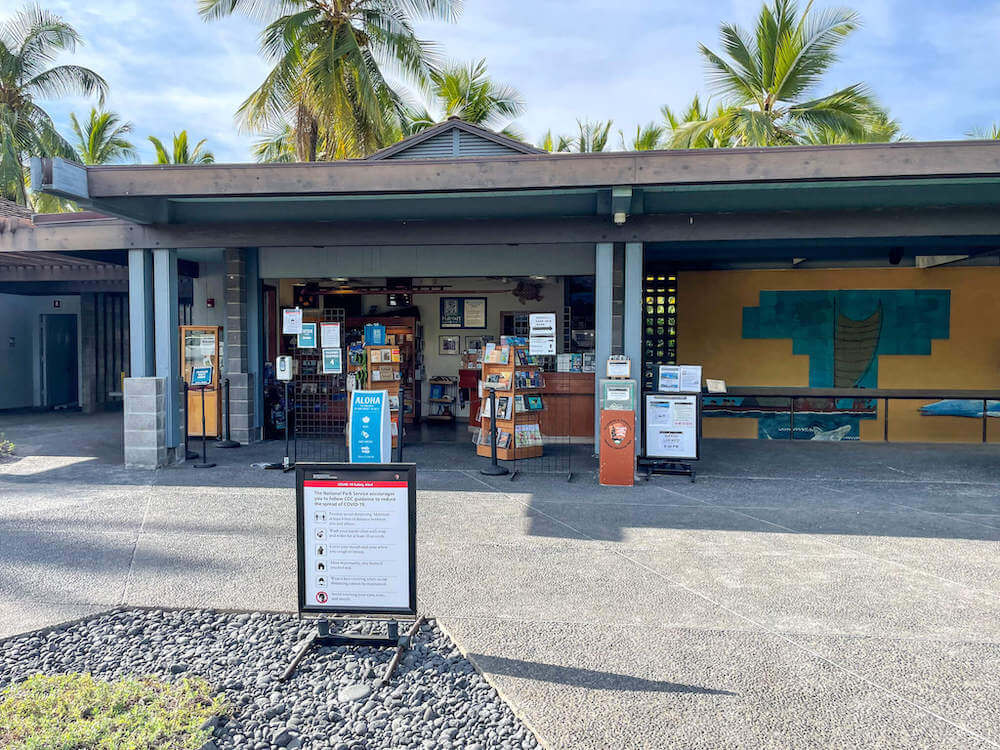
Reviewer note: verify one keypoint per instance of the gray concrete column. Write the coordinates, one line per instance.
(140, 313)
(168, 343)
(88, 352)
(603, 291)
(255, 338)
(238, 347)
(633, 321)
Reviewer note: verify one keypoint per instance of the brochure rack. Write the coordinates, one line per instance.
(518, 432)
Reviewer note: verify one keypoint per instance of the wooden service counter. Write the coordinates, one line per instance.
(569, 404)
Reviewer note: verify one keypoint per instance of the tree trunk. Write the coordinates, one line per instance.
(306, 134)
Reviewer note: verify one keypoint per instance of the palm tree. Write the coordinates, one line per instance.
(101, 139)
(327, 80)
(591, 136)
(181, 153)
(680, 134)
(29, 41)
(466, 91)
(991, 133)
(648, 137)
(882, 128)
(552, 143)
(768, 75)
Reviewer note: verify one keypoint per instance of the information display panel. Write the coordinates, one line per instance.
(671, 426)
(356, 528)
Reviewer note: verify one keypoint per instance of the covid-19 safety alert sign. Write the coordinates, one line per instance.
(356, 537)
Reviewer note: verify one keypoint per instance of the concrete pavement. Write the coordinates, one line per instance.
(795, 596)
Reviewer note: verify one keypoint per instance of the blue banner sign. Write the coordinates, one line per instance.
(201, 376)
(370, 438)
(307, 339)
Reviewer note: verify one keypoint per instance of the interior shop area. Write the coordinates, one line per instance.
(431, 344)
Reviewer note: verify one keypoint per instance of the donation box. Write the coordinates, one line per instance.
(617, 443)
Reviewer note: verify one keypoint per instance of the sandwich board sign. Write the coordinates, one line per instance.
(370, 439)
(356, 535)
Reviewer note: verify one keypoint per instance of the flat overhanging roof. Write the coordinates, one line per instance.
(845, 177)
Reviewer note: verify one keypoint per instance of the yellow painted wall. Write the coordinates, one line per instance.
(710, 326)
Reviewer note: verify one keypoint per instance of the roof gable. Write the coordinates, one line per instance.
(454, 139)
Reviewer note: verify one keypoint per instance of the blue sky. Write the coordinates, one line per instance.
(932, 64)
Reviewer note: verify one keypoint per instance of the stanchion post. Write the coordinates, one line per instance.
(226, 441)
(287, 464)
(494, 469)
(188, 453)
(204, 438)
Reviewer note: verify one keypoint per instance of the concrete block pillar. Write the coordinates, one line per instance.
(242, 387)
(145, 423)
(603, 325)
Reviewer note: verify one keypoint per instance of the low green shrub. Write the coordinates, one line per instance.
(77, 712)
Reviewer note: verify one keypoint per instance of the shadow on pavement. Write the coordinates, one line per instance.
(585, 678)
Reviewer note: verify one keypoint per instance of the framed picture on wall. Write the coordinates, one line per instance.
(449, 344)
(463, 312)
(473, 343)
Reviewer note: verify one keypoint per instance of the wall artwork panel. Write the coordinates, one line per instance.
(843, 332)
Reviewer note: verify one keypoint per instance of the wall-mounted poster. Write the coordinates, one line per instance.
(307, 336)
(475, 312)
(329, 335)
(333, 363)
(291, 321)
(463, 312)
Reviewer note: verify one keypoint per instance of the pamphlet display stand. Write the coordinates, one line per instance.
(518, 385)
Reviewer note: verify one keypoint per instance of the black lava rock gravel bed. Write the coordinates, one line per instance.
(435, 699)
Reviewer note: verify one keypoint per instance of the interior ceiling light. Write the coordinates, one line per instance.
(538, 278)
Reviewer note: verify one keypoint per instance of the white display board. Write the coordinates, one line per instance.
(357, 534)
(671, 426)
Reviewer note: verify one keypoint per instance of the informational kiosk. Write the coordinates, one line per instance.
(370, 438)
(618, 402)
(356, 532)
(671, 420)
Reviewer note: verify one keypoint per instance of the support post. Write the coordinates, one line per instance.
(633, 322)
(238, 336)
(603, 281)
(140, 313)
(167, 341)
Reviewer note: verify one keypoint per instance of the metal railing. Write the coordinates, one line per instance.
(870, 394)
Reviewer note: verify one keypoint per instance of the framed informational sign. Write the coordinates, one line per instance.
(679, 379)
(672, 426)
(463, 312)
(307, 336)
(291, 321)
(356, 529)
(333, 363)
(201, 376)
(542, 334)
(329, 335)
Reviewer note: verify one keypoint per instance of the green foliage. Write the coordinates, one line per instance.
(102, 138)
(467, 91)
(327, 79)
(30, 40)
(590, 137)
(6, 446)
(181, 153)
(77, 712)
(991, 133)
(648, 137)
(768, 76)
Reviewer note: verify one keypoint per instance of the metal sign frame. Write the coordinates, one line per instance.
(361, 472)
(660, 465)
